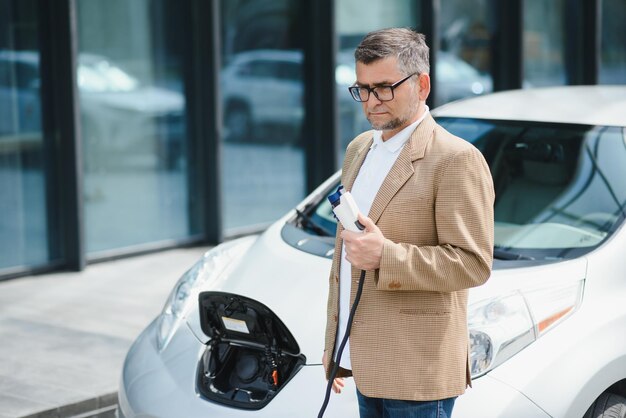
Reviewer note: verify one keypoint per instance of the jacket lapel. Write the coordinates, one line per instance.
(348, 180)
(356, 164)
(402, 169)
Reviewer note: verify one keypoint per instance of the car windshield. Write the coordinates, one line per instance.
(560, 189)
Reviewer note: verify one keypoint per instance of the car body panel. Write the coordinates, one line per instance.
(171, 375)
(287, 283)
(574, 371)
(290, 270)
(491, 398)
(152, 380)
(588, 105)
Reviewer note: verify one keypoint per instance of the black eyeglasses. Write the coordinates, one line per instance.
(382, 93)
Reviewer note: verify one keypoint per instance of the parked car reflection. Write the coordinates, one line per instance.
(262, 92)
(456, 79)
(121, 117)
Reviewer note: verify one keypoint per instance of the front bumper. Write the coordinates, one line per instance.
(163, 385)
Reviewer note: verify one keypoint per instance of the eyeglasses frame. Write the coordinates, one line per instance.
(372, 90)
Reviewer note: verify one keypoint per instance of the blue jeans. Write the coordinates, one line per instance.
(391, 408)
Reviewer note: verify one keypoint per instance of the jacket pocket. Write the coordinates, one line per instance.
(423, 312)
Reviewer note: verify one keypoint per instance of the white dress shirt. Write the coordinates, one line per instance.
(379, 160)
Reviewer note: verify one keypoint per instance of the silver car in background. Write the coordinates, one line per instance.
(242, 332)
(251, 114)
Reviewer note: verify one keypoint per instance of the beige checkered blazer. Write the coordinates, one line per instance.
(409, 338)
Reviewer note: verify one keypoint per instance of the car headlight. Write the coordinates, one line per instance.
(501, 327)
(210, 268)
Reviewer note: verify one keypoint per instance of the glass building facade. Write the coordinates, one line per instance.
(25, 229)
(134, 126)
(132, 110)
(262, 90)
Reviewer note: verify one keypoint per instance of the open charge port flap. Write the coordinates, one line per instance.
(251, 354)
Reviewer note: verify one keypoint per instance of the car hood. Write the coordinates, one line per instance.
(290, 282)
(511, 276)
(294, 285)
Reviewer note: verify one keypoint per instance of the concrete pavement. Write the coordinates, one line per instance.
(64, 336)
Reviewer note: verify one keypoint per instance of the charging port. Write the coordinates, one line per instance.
(251, 354)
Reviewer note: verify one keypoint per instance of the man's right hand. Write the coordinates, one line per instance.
(338, 383)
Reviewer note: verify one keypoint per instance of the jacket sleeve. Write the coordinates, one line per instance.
(464, 220)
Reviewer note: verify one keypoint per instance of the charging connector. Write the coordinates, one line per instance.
(346, 210)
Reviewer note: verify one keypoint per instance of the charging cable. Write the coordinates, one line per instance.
(333, 373)
(346, 212)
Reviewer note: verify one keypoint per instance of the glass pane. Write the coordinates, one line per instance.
(353, 22)
(613, 49)
(464, 61)
(23, 206)
(133, 122)
(262, 88)
(543, 43)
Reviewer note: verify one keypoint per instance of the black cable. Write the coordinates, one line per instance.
(333, 373)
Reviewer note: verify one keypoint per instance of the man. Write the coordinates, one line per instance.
(428, 238)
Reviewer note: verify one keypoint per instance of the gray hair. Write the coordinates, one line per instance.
(408, 46)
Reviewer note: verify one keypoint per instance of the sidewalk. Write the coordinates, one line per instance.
(64, 336)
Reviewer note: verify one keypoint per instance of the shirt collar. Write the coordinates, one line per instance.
(396, 142)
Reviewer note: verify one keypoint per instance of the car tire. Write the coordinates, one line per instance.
(608, 405)
(238, 122)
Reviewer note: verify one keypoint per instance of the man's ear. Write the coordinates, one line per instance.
(424, 83)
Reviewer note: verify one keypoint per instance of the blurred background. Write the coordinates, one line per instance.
(134, 126)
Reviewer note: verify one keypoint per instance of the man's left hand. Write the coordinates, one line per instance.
(364, 249)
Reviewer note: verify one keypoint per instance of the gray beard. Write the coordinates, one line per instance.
(392, 124)
(397, 122)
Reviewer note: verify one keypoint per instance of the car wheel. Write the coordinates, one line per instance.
(608, 405)
(238, 121)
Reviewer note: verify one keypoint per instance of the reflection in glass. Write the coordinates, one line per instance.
(560, 190)
(262, 93)
(543, 43)
(353, 21)
(262, 96)
(132, 111)
(613, 42)
(464, 61)
(24, 228)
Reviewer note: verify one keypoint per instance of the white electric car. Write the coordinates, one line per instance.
(242, 332)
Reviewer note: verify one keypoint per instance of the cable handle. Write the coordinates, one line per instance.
(346, 210)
